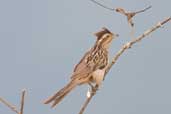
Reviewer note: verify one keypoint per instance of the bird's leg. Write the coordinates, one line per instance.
(93, 87)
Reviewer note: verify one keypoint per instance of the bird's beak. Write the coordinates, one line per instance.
(115, 35)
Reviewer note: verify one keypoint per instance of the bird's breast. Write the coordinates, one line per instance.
(98, 76)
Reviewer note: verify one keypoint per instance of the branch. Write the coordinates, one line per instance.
(22, 101)
(9, 105)
(12, 107)
(140, 11)
(129, 15)
(120, 52)
(111, 9)
(138, 39)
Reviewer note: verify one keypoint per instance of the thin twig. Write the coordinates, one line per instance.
(9, 105)
(12, 107)
(129, 15)
(138, 39)
(22, 101)
(120, 52)
(111, 9)
(143, 9)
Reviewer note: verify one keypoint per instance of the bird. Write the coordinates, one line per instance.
(90, 69)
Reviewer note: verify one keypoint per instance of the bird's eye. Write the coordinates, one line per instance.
(107, 36)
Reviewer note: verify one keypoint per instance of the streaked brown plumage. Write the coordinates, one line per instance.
(90, 69)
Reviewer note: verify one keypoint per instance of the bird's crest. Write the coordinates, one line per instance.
(102, 32)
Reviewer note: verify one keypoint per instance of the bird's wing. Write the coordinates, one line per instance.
(83, 69)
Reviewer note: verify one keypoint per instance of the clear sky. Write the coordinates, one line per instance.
(42, 40)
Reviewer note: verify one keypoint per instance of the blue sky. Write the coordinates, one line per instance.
(42, 40)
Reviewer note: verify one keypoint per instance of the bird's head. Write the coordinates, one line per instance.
(105, 37)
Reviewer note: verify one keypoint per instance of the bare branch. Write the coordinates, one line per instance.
(22, 101)
(143, 10)
(120, 52)
(130, 15)
(138, 39)
(111, 9)
(12, 107)
(9, 105)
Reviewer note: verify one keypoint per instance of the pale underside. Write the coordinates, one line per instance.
(98, 76)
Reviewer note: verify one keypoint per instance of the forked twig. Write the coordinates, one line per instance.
(129, 15)
(9, 105)
(120, 52)
(12, 107)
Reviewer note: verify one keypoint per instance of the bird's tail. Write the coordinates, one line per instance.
(57, 97)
